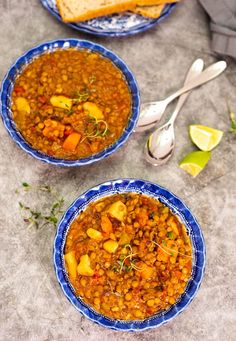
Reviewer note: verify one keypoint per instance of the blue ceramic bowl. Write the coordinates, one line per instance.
(176, 206)
(25, 59)
(116, 25)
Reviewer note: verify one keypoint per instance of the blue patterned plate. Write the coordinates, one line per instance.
(26, 58)
(115, 25)
(176, 206)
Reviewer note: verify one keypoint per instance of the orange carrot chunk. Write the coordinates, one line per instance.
(106, 225)
(71, 142)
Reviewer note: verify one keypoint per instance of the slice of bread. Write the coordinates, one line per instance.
(154, 2)
(153, 12)
(80, 10)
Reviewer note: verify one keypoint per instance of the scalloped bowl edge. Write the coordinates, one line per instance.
(26, 58)
(177, 206)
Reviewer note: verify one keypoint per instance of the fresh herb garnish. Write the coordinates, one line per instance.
(36, 218)
(169, 249)
(82, 96)
(97, 128)
(68, 110)
(151, 215)
(115, 268)
(92, 79)
(170, 235)
(25, 184)
(125, 262)
(232, 119)
(164, 242)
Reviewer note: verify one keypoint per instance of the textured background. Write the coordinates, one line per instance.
(32, 304)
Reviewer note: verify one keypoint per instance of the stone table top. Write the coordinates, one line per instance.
(33, 306)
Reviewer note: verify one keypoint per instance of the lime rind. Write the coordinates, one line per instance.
(195, 162)
(205, 138)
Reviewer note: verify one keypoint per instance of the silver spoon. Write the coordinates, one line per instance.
(151, 113)
(160, 144)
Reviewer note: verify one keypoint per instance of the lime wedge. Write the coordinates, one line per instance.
(204, 137)
(195, 162)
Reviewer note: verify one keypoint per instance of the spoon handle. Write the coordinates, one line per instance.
(210, 73)
(193, 72)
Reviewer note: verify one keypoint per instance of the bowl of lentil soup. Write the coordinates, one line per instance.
(129, 255)
(69, 102)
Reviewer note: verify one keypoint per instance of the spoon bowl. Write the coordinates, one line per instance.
(153, 112)
(163, 140)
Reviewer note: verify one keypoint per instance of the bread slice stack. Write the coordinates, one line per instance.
(151, 8)
(81, 10)
(149, 11)
(154, 2)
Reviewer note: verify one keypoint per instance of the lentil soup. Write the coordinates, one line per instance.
(128, 256)
(71, 103)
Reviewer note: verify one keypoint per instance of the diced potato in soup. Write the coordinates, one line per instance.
(93, 110)
(110, 246)
(22, 105)
(118, 210)
(71, 264)
(94, 234)
(84, 267)
(61, 102)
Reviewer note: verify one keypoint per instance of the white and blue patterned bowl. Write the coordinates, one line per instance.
(176, 206)
(25, 59)
(116, 25)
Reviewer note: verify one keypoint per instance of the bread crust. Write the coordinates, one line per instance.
(93, 13)
(152, 12)
(154, 2)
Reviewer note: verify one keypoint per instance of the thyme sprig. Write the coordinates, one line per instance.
(92, 79)
(26, 187)
(99, 129)
(172, 251)
(121, 262)
(68, 110)
(36, 218)
(82, 96)
(232, 119)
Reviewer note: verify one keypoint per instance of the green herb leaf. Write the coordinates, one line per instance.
(127, 262)
(231, 118)
(151, 215)
(92, 79)
(170, 235)
(82, 96)
(68, 110)
(25, 184)
(99, 128)
(115, 268)
(164, 242)
(37, 218)
(21, 205)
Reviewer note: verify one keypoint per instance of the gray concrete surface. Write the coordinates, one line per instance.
(32, 304)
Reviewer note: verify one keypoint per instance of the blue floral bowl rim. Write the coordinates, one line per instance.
(27, 57)
(169, 199)
(86, 28)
